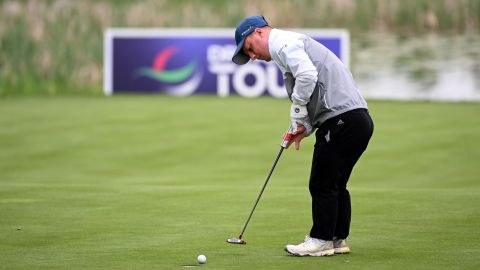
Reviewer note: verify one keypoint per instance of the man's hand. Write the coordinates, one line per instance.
(297, 136)
(299, 117)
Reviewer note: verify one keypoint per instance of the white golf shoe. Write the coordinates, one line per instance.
(340, 246)
(311, 247)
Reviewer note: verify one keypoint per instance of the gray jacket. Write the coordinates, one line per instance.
(335, 91)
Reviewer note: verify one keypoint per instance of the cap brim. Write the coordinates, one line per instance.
(239, 57)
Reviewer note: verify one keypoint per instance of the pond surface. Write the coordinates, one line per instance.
(429, 67)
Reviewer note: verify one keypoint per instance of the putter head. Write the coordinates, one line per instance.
(235, 240)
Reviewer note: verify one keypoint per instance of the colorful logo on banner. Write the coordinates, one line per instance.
(180, 75)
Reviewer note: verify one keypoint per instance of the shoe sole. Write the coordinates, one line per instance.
(329, 252)
(344, 250)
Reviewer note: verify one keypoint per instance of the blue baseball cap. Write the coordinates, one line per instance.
(245, 28)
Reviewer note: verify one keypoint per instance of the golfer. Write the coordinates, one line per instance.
(324, 97)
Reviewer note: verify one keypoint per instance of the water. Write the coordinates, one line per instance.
(429, 67)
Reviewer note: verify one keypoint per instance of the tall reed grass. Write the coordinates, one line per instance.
(52, 47)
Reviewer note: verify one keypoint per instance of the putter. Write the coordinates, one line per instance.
(286, 139)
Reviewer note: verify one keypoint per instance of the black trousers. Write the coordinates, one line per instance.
(340, 143)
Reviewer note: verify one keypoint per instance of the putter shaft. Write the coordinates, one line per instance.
(261, 192)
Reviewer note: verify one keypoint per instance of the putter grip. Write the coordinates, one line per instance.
(286, 137)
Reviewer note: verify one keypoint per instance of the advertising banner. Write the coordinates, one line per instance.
(183, 62)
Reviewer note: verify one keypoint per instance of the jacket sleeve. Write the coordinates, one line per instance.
(297, 61)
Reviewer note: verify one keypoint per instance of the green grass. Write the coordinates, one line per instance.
(150, 182)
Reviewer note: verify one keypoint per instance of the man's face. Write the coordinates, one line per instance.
(256, 45)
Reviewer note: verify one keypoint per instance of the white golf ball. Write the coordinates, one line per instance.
(201, 259)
